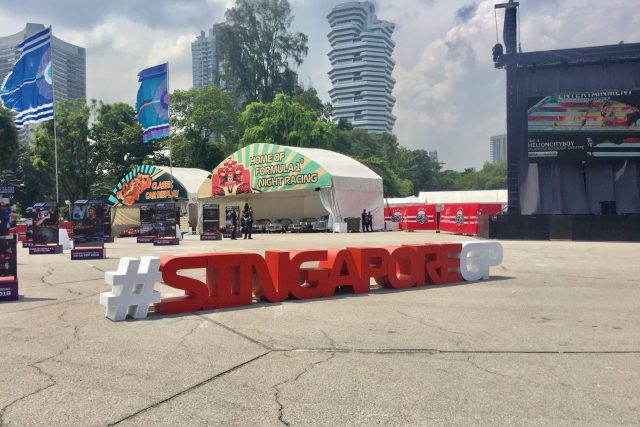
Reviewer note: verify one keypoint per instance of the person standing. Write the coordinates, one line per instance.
(370, 221)
(234, 223)
(248, 223)
(363, 219)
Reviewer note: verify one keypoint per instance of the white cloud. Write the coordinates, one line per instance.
(449, 96)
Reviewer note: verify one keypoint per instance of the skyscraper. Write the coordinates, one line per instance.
(498, 148)
(69, 63)
(360, 56)
(205, 59)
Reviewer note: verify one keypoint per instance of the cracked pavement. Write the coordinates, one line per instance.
(552, 339)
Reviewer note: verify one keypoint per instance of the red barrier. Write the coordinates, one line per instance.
(463, 217)
(412, 217)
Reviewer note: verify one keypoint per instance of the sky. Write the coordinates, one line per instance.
(449, 97)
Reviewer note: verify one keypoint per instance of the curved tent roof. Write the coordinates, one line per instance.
(263, 167)
(148, 184)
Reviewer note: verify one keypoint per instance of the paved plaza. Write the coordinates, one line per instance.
(552, 339)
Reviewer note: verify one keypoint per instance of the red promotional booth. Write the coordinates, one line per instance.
(412, 217)
(463, 217)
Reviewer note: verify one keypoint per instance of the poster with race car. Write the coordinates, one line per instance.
(88, 230)
(228, 229)
(165, 220)
(45, 223)
(147, 219)
(210, 218)
(584, 126)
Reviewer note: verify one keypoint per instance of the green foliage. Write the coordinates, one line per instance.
(259, 51)
(205, 127)
(490, 177)
(285, 122)
(8, 140)
(117, 146)
(76, 159)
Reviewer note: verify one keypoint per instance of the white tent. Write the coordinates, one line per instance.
(154, 184)
(294, 182)
(474, 196)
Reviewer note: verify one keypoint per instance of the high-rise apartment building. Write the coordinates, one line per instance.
(206, 62)
(69, 63)
(498, 148)
(361, 67)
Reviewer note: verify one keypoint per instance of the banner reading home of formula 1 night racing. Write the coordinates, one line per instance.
(146, 184)
(263, 167)
(584, 126)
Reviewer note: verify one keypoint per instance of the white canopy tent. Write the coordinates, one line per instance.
(152, 184)
(294, 182)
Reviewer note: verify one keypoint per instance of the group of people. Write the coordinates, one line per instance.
(246, 222)
(366, 220)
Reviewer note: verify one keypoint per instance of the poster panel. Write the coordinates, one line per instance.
(106, 220)
(165, 220)
(147, 219)
(210, 218)
(8, 260)
(584, 126)
(229, 221)
(45, 223)
(146, 184)
(88, 229)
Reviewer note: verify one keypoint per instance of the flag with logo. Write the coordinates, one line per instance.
(28, 88)
(152, 106)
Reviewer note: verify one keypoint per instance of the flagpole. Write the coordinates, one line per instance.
(169, 121)
(55, 127)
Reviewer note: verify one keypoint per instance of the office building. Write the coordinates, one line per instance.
(498, 148)
(206, 62)
(69, 63)
(360, 56)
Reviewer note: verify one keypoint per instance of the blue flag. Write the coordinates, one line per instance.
(152, 106)
(28, 88)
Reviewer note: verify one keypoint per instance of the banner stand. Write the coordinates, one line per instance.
(8, 243)
(45, 231)
(88, 230)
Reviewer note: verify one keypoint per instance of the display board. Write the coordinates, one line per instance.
(165, 220)
(229, 221)
(88, 228)
(210, 218)
(45, 223)
(584, 126)
(8, 254)
(147, 219)
(106, 220)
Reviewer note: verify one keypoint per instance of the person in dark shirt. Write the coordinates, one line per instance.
(248, 223)
(234, 222)
(370, 221)
(363, 219)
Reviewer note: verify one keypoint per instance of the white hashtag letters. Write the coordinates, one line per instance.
(132, 290)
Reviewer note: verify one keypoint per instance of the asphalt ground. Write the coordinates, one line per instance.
(551, 339)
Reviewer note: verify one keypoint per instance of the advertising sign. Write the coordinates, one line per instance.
(210, 218)
(262, 167)
(88, 228)
(146, 184)
(45, 223)
(584, 126)
(412, 217)
(463, 217)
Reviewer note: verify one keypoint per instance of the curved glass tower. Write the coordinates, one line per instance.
(361, 67)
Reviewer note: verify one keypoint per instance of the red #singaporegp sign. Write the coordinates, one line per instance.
(232, 279)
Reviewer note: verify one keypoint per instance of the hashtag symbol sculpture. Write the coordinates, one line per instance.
(132, 288)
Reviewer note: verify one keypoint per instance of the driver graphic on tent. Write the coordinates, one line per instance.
(230, 179)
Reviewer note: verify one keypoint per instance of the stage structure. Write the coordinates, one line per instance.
(573, 136)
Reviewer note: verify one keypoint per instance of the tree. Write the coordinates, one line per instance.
(258, 50)
(285, 122)
(9, 140)
(205, 125)
(76, 162)
(118, 145)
